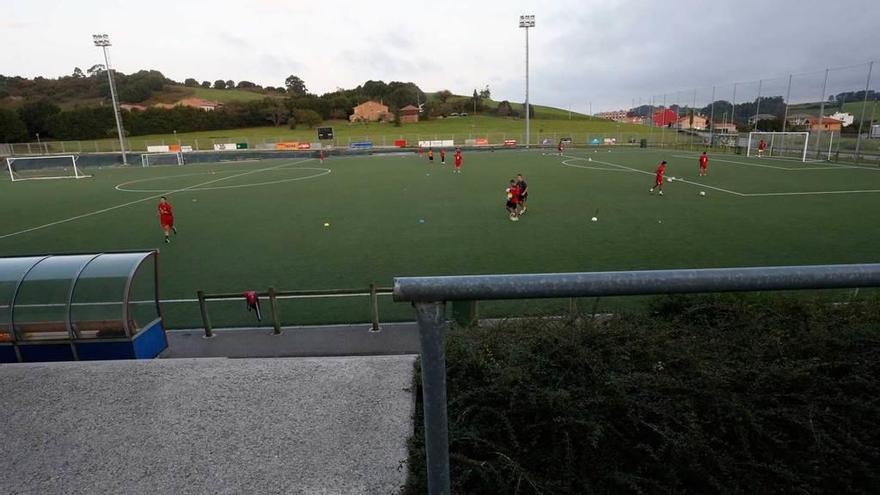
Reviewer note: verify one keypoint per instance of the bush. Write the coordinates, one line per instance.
(704, 395)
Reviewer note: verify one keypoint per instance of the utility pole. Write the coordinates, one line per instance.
(527, 21)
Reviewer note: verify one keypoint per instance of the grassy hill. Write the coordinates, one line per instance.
(853, 107)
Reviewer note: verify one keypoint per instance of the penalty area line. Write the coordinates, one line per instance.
(148, 198)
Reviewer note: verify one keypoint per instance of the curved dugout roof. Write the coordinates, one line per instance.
(80, 296)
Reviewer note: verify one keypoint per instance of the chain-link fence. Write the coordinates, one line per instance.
(839, 107)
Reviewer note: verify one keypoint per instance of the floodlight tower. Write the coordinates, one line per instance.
(103, 41)
(527, 21)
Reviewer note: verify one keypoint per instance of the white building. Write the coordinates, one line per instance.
(846, 118)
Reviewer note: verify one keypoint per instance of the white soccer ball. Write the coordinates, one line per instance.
(589, 159)
(594, 219)
(702, 193)
(669, 179)
(326, 224)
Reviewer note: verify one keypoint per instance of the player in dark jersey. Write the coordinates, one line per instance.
(523, 188)
(166, 217)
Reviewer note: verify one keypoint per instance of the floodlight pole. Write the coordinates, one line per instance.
(103, 41)
(527, 21)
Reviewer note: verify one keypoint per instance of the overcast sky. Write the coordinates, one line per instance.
(605, 51)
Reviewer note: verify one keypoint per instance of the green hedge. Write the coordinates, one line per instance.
(701, 395)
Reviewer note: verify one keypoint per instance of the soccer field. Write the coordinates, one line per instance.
(251, 225)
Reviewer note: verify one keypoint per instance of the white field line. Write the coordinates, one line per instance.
(567, 164)
(728, 191)
(808, 193)
(148, 198)
(828, 166)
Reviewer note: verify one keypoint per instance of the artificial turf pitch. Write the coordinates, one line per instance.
(251, 225)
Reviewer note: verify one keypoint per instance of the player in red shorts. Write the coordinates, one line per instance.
(457, 161)
(166, 217)
(512, 200)
(322, 156)
(658, 180)
(704, 165)
(442, 157)
(762, 145)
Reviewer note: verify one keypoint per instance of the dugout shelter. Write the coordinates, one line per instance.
(80, 307)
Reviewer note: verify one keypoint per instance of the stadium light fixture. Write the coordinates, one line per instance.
(527, 21)
(103, 41)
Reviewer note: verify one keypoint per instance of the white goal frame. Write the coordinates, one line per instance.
(77, 173)
(145, 157)
(780, 135)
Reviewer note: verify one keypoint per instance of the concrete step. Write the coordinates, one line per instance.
(193, 426)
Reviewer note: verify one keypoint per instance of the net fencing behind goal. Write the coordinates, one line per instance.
(156, 159)
(786, 145)
(43, 167)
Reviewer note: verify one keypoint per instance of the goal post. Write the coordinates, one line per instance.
(790, 145)
(161, 158)
(44, 167)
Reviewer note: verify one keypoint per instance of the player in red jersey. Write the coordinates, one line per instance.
(762, 145)
(658, 180)
(166, 217)
(457, 161)
(704, 164)
(442, 157)
(322, 156)
(560, 147)
(431, 155)
(512, 200)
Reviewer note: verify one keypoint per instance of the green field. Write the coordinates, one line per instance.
(259, 224)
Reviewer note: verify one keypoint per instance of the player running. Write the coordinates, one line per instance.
(431, 155)
(457, 161)
(658, 180)
(166, 217)
(704, 165)
(560, 147)
(512, 200)
(523, 188)
(442, 157)
(762, 145)
(321, 156)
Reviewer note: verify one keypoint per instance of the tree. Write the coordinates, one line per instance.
(219, 84)
(12, 129)
(36, 116)
(295, 86)
(504, 109)
(78, 73)
(443, 95)
(485, 93)
(206, 84)
(191, 83)
(95, 70)
(276, 111)
(476, 102)
(230, 84)
(246, 85)
(310, 118)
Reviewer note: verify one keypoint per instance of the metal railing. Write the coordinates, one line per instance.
(430, 294)
(273, 295)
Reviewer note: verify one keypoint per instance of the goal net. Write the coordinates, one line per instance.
(789, 145)
(155, 159)
(43, 167)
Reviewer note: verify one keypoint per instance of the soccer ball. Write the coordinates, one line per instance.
(702, 193)
(326, 224)
(669, 179)
(594, 219)
(589, 159)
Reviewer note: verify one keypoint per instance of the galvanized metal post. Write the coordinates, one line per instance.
(431, 317)
(862, 118)
(374, 307)
(273, 306)
(206, 321)
(821, 112)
